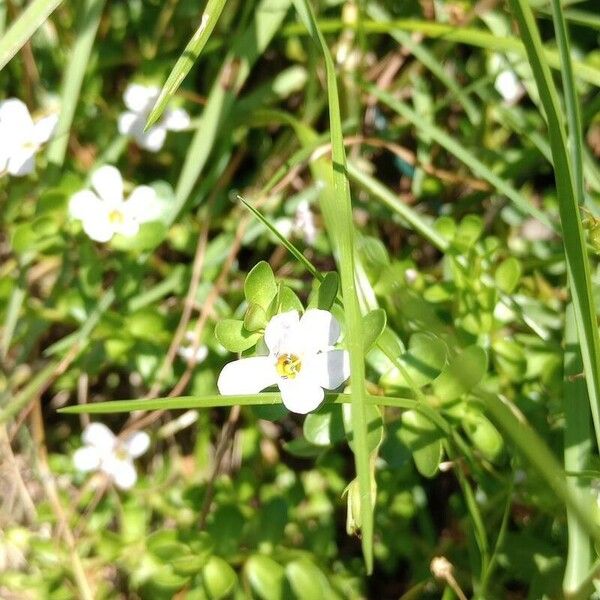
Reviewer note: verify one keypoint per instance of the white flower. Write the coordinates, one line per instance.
(301, 361)
(507, 82)
(105, 212)
(103, 451)
(302, 225)
(21, 137)
(187, 353)
(140, 99)
(509, 86)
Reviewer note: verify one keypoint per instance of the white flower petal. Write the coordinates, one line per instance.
(509, 86)
(247, 376)
(107, 181)
(21, 162)
(100, 437)
(128, 227)
(176, 119)
(84, 203)
(99, 228)
(15, 115)
(122, 472)
(280, 329)
(86, 458)
(153, 139)
(319, 329)
(285, 226)
(130, 123)
(140, 98)
(329, 369)
(142, 205)
(44, 128)
(136, 443)
(301, 395)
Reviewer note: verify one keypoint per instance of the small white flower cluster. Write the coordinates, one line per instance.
(302, 361)
(187, 353)
(104, 211)
(21, 137)
(103, 451)
(139, 99)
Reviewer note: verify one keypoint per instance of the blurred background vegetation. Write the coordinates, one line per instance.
(456, 236)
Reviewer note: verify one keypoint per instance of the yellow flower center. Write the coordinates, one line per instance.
(288, 366)
(121, 454)
(116, 217)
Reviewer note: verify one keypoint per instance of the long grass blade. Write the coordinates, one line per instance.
(91, 12)
(573, 237)
(189, 56)
(578, 445)
(344, 241)
(215, 400)
(24, 27)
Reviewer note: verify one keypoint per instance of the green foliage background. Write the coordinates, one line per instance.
(457, 243)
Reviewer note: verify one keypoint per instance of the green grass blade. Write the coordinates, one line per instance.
(189, 56)
(412, 217)
(216, 400)
(571, 103)
(12, 316)
(24, 27)
(344, 241)
(284, 241)
(516, 429)
(247, 49)
(73, 78)
(578, 445)
(461, 153)
(573, 237)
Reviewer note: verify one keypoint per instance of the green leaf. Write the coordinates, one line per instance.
(148, 237)
(24, 27)
(461, 374)
(265, 576)
(287, 300)
(374, 323)
(324, 427)
(422, 363)
(423, 439)
(468, 231)
(307, 581)
(234, 336)
(484, 435)
(219, 578)
(373, 422)
(507, 274)
(255, 318)
(324, 295)
(186, 565)
(165, 545)
(189, 56)
(260, 286)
